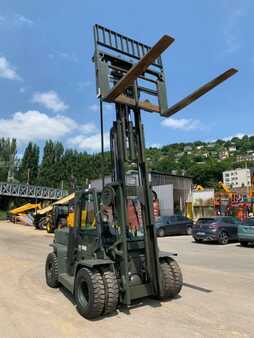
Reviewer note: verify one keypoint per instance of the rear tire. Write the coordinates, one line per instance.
(111, 291)
(244, 243)
(172, 279)
(223, 238)
(161, 232)
(89, 293)
(51, 270)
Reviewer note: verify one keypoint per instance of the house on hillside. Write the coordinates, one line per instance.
(232, 148)
(245, 158)
(223, 154)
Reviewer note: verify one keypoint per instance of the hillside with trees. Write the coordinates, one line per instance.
(58, 167)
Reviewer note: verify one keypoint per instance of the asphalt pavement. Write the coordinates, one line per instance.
(217, 299)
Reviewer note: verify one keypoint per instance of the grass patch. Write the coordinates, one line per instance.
(3, 215)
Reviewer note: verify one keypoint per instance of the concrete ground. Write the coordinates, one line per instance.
(216, 301)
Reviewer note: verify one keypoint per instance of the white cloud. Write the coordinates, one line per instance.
(88, 128)
(50, 100)
(155, 145)
(22, 20)
(34, 125)
(181, 124)
(90, 143)
(239, 135)
(16, 20)
(7, 71)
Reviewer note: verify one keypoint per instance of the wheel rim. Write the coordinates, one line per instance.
(223, 238)
(189, 231)
(83, 293)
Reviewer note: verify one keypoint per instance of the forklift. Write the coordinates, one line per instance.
(110, 257)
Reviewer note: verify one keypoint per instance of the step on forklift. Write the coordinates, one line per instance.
(110, 257)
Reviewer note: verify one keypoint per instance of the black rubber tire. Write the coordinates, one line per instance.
(161, 232)
(244, 243)
(172, 279)
(223, 238)
(89, 293)
(189, 230)
(111, 291)
(197, 240)
(51, 270)
(49, 228)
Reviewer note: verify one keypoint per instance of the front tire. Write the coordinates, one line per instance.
(89, 293)
(111, 291)
(51, 270)
(49, 228)
(244, 243)
(172, 279)
(223, 238)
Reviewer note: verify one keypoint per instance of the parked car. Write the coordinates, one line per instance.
(221, 229)
(246, 232)
(173, 225)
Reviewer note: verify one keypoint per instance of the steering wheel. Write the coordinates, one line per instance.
(115, 250)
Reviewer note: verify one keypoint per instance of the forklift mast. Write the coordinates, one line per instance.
(114, 56)
(130, 74)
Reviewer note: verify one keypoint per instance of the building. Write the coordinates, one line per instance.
(173, 190)
(232, 148)
(246, 158)
(223, 155)
(237, 178)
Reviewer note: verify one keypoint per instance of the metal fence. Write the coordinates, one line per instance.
(30, 191)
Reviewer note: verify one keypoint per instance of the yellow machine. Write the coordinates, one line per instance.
(225, 187)
(23, 210)
(198, 187)
(56, 214)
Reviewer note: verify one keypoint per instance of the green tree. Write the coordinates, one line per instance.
(51, 170)
(28, 171)
(8, 150)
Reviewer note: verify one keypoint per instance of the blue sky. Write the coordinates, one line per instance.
(47, 77)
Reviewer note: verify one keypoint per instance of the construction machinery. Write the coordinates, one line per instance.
(225, 187)
(23, 210)
(57, 214)
(198, 187)
(109, 258)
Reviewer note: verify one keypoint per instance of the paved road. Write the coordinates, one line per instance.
(217, 300)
